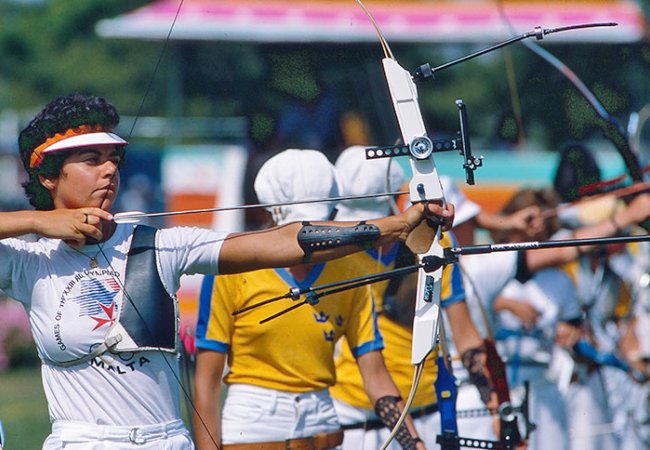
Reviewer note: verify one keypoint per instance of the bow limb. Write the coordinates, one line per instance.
(613, 130)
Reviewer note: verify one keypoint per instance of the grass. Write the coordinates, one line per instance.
(23, 409)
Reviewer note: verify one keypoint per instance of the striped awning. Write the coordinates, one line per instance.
(400, 21)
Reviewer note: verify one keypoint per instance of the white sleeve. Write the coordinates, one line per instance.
(489, 273)
(560, 289)
(16, 281)
(188, 251)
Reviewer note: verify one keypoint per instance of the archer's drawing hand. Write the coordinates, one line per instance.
(638, 210)
(528, 221)
(74, 226)
(566, 335)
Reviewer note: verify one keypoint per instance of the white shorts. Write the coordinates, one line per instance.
(478, 427)
(86, 436)
(256, 414)
(427, 426)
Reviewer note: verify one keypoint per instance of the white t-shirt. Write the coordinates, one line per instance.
(484, 276)
(71, 308)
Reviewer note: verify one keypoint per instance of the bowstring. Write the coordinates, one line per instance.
(186, 393)
(417, 374)
(419, 366)
(161, 55)
(129, 215)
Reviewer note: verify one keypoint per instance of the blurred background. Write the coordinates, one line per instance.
(209, 89)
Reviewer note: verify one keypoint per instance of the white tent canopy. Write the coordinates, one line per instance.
(400, 21)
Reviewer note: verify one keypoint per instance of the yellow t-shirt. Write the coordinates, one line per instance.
(294, 352)
(397, 339)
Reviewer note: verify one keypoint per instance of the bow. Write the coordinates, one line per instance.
(424, 186)
(612, 128)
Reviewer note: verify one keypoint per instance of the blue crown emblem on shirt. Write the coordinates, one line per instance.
(321, 317)
(328, 335)
(339, 320)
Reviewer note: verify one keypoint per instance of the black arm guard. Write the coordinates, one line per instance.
(388, 412)
(312, 238)
(474, 362)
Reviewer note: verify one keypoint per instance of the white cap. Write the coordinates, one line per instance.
(465, 208)
(360, 176)
(294, 175)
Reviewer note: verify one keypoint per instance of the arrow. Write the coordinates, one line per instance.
(137, 216)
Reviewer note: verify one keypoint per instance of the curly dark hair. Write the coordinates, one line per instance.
(59, 115)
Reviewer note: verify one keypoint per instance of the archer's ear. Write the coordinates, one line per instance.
(48, 182)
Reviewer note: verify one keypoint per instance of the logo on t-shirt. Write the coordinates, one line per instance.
(321, 317)
(96, 300)
(92, 295)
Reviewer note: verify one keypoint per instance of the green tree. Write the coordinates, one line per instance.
(51, 48)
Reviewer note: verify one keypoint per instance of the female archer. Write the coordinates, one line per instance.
(101, 295)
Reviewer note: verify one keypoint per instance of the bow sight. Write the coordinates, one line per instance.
(422, 147)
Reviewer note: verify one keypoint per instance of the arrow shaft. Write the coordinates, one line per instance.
(129, 216)
(333, 288)
(535, 245)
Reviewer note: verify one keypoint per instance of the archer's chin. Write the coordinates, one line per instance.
(106, 204)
